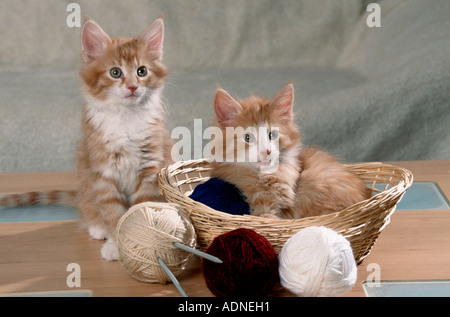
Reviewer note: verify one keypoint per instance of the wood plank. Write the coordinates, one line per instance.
(13, 183)
(413, 246)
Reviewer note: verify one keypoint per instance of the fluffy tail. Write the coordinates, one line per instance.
(52, 197)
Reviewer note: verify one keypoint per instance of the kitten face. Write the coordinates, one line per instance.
(256, 146)
(258, 132)
(125, 71)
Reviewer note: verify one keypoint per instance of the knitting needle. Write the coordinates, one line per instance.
(198, 252)
(172, 277)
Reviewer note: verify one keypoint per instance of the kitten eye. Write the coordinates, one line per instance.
(248, 137)
(142, 71)
(273, 135)
(115, 72)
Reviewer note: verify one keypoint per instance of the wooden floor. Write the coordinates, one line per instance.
(34, 256)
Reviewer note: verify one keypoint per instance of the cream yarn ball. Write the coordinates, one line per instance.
(148, 232)
(317, 261)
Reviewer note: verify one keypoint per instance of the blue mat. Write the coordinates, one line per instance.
(421, 196)
(80, 293)
(38, 213)
(407, 288)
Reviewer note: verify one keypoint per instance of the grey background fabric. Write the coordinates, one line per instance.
(363, 94)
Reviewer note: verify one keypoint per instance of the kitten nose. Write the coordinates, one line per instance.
(132, 88)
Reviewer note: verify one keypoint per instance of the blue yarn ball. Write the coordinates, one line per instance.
(221, 196)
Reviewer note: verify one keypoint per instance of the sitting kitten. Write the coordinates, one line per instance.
(125, 143)
(284, 179)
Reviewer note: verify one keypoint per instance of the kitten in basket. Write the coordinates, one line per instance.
(261, 153)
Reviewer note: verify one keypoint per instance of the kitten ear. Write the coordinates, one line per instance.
(153, 37)
(284, 101)
(93, 41)
(225, 107)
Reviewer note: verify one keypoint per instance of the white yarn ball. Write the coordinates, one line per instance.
(317, 261)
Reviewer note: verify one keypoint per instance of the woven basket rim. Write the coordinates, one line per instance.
(406, 181)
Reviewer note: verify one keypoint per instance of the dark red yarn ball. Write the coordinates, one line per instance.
(249, 268)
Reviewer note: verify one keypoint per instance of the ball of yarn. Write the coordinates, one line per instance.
(147, 232)
(317, 261)
(249, 268)
(221, 196)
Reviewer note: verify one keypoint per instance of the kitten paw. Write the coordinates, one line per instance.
(269, 180)
(97, 232)
(110, 251)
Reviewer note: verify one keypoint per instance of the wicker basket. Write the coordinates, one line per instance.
(360, 223)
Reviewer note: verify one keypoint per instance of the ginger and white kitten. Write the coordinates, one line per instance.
(125, 143)
(284, 179)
